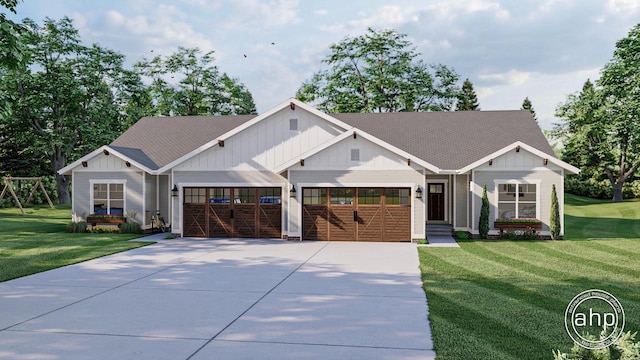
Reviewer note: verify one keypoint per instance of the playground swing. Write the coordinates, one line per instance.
(38, 183)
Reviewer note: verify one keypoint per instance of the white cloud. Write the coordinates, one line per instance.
(321, 12)
(512, 77)
(257, 14)
(627, 7)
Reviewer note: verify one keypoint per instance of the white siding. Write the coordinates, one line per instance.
(82, 189)
(513, 160)
(265, 145)
(462, 189)
(372, 157)
(104, 162)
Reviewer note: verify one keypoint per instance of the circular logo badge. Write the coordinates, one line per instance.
(597, 313)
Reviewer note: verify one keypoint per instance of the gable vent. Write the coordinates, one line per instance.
(355, 154)
(293, 124)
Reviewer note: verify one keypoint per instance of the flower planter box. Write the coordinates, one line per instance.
(517, 225)
(108, 220)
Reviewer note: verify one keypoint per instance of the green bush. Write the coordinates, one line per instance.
(130, 227)
(554, 220)
(599, 189)
(77, 227)
(625, 348)
(483, 223)
(462, 235)
(529, 234)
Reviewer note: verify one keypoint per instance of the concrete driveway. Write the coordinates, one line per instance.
(223, 299)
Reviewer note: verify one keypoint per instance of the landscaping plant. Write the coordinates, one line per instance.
(554, 220)
(625, 348)
(483, 225)
(77, 224)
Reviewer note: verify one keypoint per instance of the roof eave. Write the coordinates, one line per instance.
(69, 168)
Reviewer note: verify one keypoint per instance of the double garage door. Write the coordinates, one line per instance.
(356, 214)
(232, 212)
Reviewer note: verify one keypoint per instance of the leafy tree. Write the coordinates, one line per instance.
(11, 48)
(602, 124)
(70, 98)
(526, 105)
(200, 88)
(467, 99)
(483, 223)
(554, 220)
(379, 72)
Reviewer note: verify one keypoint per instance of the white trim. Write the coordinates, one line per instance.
(472, 185)
(536, 182)
(144, 199)
(108, 181)
(73, 191)
(552, 159)
(97, 152)
(252, 122)
(360, 133)
(446, 197)
(560, 194)
(467, 202)
(454, 205)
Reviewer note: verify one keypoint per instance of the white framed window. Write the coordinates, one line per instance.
(108, 197)
(517, 199)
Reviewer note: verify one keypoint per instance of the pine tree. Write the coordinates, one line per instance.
(554, 221)
(467, 99)
(526, 105)
(483, 225)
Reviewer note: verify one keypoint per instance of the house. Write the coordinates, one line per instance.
(296, 172)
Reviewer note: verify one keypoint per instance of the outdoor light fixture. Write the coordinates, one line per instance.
(293, 190)
(174, 191)
(419, 193)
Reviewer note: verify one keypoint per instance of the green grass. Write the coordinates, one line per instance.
(37, 241)
(506, 299)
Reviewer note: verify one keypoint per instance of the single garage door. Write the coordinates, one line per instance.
(356, 214)
(232, 212)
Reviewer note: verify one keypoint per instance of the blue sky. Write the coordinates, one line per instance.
(508, 49)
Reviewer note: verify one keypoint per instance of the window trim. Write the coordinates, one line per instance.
(93, 182)
(498, 182)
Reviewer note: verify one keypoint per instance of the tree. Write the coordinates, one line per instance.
(379, 72)
(483, 223)
(200, 88)
(11, 48)
(70, 98)
(554, 220)
(526, 105)
(602, 124)
(467, 99)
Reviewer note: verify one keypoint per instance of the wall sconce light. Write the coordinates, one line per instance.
(174, 191)
(85, 164)
(419, 193)
(105, 152)
(293, 190)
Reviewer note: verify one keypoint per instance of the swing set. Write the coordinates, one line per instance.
(38, 183)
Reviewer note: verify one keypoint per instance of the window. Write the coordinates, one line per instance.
(369, 196)
(355, 154)
(219, 196)
(436, 188)
(270, 195)
(341, 196)
(397, 196)
(314, 196)
(194, 196)
(293, 124)
(245, 195)
(517, 201)
(108, 199)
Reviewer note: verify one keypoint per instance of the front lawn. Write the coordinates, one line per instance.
(506, 299)
(37, 242)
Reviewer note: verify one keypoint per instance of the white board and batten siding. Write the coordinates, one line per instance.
(267, 144)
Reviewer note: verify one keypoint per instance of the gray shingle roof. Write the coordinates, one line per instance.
(157, 141)
(451, 140)
(448, 140)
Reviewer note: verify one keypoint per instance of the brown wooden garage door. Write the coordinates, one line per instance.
(232, 212)
(356, 214)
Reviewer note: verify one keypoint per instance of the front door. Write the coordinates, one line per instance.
(435, 201)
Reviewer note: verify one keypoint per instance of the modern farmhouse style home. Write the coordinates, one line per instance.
(296, 172)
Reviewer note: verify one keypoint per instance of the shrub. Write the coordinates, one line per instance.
(131, 226)
(483, 223)
(77, 224)
(169, 236)
(625, 348)
(554, 220)
(462, 235)
(528, 234)
(599, 189)
(104, 230)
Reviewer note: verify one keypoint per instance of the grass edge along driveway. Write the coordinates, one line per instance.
(506, 299)
(37, 242)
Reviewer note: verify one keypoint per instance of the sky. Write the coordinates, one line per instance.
(509, 49)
